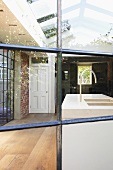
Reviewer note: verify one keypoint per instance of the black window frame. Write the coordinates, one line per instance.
(59, 122)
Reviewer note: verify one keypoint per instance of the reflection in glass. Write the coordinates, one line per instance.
(87, 76)
(37, 60)
(34, 22)
(45, 13)
(91, 25)
(72, 107)
(6, 85)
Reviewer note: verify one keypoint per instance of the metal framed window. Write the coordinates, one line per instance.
(10, 87)
(7, 86)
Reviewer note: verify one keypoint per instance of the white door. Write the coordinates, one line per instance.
(39, 89)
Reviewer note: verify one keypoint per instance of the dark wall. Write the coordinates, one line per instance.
(100, 70)
(73, 78)
(111, 81)
(104, 74)
(65, 79)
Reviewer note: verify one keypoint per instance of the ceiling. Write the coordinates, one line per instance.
(11, 30)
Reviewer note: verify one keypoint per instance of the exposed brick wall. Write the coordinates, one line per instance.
(24, 84)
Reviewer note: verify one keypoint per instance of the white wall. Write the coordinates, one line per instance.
(51, 83)
(17, 86)
(88, 146)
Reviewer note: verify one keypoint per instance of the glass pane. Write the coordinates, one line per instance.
(5, 73)
(5, 87)
(11, 74)
(34, 22)
(9, 98)
(35, 88)
(11, 114)
(11, 85)
(1, 95)
(12, 105)
(2, 118)
(87, 88)
(5, 96)
(90, 25)
(10, 63)
(1, 57)
(92, 138)
(30, 138)
(12, 97)
(11, 54)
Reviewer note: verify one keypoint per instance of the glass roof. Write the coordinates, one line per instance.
(84, 21)
(86, 24)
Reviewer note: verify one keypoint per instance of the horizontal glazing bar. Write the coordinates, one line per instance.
(27, 126)
(28, 48)
(54, 50)
(86, 120)
(82, 52)
(55, 123)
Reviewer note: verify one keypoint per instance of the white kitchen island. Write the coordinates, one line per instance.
(72, 107)
(88, 145)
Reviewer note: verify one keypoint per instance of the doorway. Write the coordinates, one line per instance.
(39, 89)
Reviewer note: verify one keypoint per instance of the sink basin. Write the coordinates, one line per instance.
(99, 102)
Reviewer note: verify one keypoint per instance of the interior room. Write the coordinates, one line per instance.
(56, 84)
(102, 68)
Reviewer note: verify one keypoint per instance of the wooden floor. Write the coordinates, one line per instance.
(30, 149)
(33, 118)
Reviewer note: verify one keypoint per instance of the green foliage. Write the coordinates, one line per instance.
(29, 1)
(86, 75)
(50, 32)
(45, 18)
(39, 60)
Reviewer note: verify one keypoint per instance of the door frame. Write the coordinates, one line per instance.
(51, 82)
(44, 92)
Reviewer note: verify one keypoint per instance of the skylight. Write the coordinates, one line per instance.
(98, 15)
(91, 15)
(106, 5)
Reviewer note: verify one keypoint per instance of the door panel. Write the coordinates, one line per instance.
(39, 89)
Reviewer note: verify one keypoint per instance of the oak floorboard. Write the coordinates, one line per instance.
(33, 118)
(41, 157)
(24, 141)
(6, 161)
(29, 149)
(18, 162)
(5, 138)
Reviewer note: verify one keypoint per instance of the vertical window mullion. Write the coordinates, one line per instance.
(13, 81)
(7, 90)
(3, 85)
(59, 87)
(10, 95)
(10, 89)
